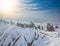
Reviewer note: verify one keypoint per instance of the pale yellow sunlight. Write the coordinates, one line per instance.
(8, 8)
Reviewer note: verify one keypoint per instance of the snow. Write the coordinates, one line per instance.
(12, 35)
(42, 41)
(55, 42)
(8, 40)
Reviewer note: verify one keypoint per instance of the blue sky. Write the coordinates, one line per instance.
(42, 10)
(46, 4)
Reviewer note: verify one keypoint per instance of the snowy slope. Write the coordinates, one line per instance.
(12, 35)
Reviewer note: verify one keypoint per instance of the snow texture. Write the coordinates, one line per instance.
(12, 35)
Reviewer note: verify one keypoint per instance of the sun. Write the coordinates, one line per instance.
(8, 7)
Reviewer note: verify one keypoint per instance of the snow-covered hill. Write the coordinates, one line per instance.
(13, 35)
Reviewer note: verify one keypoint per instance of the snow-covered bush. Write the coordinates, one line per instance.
(20, 25)
(56, 27)
(32, 25)
(50, 27)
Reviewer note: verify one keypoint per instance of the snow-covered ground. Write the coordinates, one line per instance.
(12, 35)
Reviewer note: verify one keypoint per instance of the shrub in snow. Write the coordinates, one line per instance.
(36, 28)
(42, 28)
(50, 27)
(32, 25)
(25, 25)
(20, 25)
(39, 27)
(12, 22)
(56, 27)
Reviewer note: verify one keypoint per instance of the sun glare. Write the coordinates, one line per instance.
(8, 7)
